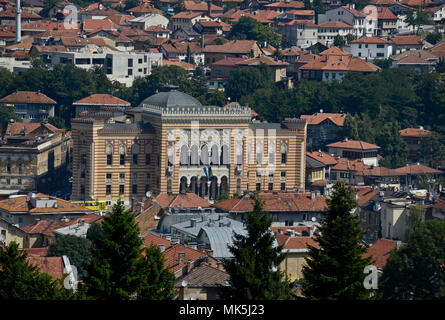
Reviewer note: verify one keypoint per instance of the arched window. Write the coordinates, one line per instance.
(205, 155)
(184, 157)
(109, 151)
(183, 185)
(225, 155)
(215, 155)
(239, 152)
(122, 154)
(283, 153)
(170, 150)
(194, 155)
(109, 148)
(122, 149)
(135, 153)
(169, 186)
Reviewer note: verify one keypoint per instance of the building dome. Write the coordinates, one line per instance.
(171, 99)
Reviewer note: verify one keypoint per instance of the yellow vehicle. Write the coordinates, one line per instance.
(93, 205)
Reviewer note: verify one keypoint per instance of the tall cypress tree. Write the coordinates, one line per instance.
(335, 270)
(114, 271)
(19, 280)
(254, 273)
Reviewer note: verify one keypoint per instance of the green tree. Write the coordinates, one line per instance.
(339, 41)
(247, 80)
(77, 249)
(129, 4)
(19, 280)
(115, 269)
(383, 63)
(247, 28)
(58, 122)
(6, 79)
(158, 284)
(415, 270)
(334, 271)
(7, 113)
(253, 271)
(432, 150)
(433, 37)
(393, 148)
(415, 217)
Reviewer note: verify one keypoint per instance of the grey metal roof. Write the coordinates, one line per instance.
(265, 125)
(171, 99)
(312, 163)
(221, 238)
(128, 126)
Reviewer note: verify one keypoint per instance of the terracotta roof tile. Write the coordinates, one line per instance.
(353, 144)
(322, 157)
(204, 276)
(380, 252)
(406, 40)
(335, 24)
(45, 227)
(319, 117)
(103, 100)
(234, 46)
(276, 202)
(371, 40)
(417, 169)
(50, 265)
(27, 97)
(365, 195)
(414, 132)
(187, 200)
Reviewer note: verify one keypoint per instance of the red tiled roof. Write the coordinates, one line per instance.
(151, 239)
(413, 60)
(50, 265)
(371, 40)
(181, 64)
(384, 13)
(335, 24)
(180, 47)
(98, 24)
(10, 13)
(414, 132)
(201, 6)
(40, 252)
(234, 46)
(380, 252)
(229, 61)
(262, 60)
(103, 100)
(377, 172)
(171, 255)
(353, 144)
(45, 227)
(23, 204)
(157, 29)
(301, 243)
(439, 49)
(187, 15)
(344, 164)
(28, 127)
(27, 97)
(276, 202)
(336, 51)
(187, 200)
(284, 4)
(322, 157)
(417, 169)
(145, 8)
(319, 117)
(406, 40)
(365, 195)
(46, 25)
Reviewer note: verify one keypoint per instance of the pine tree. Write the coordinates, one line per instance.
(253, 271)
(19, 280)
(158, 284)
(335, 270)
(114, 271)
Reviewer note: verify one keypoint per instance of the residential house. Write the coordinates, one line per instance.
(113, 39)
(284, 6)
(91, 25)
(348, 15)
(56, 267)
(30, 106)
(380, 177)
(413, 137)
(296, 58)
(300, 33)
(327, 31)
(318, 166)
(178, 51)
(209, 27)
(222, 71)
(285, 209)
(201, 283)
(412, 172)
(158, 32)
(100, 102)
(34, 156)
(333, 64)
(234, 48)
(394, 217)
(323, 128)
(208, 8)
(437, 13)
(416, 60)
(149, 20)
(405, 43)
(371, 48)
(386, 22)
(25, 210)
(144, 9)
(438, 210)
(369, 210)
(9, 232)
(296, 242)
(8, 17)
(354, 149)
(186, 20)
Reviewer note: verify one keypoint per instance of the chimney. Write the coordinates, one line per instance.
(209, 252)
(312, 195)
(398, 243)
(192, 223)
(18, 23)
(181, 257)
(209, 11)
(162, 247)
(311, 231)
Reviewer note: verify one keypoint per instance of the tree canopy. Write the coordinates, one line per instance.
(247, 28)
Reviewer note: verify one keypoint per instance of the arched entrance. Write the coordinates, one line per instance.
(224, 185)
(194, 185)
(213, 188)
(203, 187)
